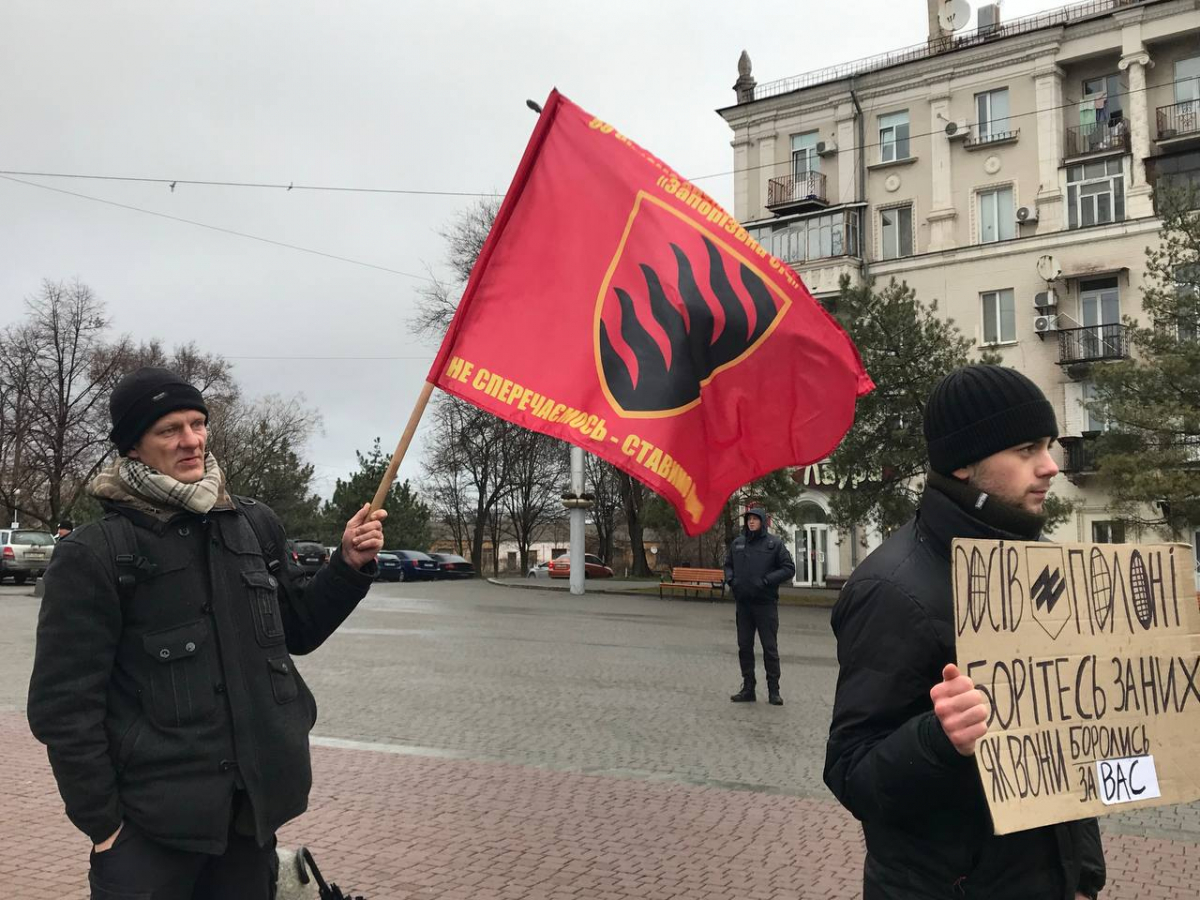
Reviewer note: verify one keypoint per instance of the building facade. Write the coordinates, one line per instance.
(1006, 172)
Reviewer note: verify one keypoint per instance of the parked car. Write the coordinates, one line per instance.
(389, 566)
(453, 566)
(415, 565)
(541, 570)
(308, 555)
(560, 567)
(24, 553)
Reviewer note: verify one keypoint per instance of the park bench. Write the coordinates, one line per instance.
(701, 581)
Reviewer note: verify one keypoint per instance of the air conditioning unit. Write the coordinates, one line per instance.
(1027, 214)
(827, 148)
(1043, 324)
(988, 18)
(958, 131)
(1045, 299)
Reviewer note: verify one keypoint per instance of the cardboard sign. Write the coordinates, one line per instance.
(1089, 655)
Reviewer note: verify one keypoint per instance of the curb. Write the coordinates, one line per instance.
(806, 600)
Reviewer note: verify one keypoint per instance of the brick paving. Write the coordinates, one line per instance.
(629, 798)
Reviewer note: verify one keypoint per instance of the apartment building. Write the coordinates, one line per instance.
(1006, 172)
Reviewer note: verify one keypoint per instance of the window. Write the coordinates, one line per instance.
(991, 115)
(1187, 294)
(1095, 193)
(1101, 100)
(1187, 79)
(1108, 532)
(804, 154)
(897, 232)
(997, 221)
(1093, 421)
(817, 237)
(1100, 302)
(999, 317)
(893, 136)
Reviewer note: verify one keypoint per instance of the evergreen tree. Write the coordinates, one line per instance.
(407, 523)
(1149, 458)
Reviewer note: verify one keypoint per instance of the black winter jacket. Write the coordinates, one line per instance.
(153, 708)
(757, 563)
(922, 806)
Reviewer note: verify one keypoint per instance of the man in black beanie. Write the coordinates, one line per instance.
(905, 721)
(163, 685)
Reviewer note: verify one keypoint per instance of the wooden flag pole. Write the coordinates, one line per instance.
(401, 448)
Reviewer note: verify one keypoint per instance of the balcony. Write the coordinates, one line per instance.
(992, 139)
(1092, 140)
(1179, 123)
(1093, 343)
(795, 192)
(1079, 455)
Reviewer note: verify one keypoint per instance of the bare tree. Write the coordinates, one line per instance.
(634, 495)
(475, 444)
(57, 415)
(602, 481)
(537, 471)
(464, 236)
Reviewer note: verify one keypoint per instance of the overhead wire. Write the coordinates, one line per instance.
(253, 237)
(173, 182)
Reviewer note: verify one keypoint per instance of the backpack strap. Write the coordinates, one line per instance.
(131, 567)
(268, 532)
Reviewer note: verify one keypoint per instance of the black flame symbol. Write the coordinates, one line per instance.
(695, 355)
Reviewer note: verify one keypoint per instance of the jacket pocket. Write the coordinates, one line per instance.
(181, 690)
(128, 744)
(283, 681)
(263, 589)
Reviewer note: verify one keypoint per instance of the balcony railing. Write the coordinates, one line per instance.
(994, 137)
(1100, 137)
(1092, 343)
(1178, 119)
(1079, 455)
(1076, 12)
(795, 190)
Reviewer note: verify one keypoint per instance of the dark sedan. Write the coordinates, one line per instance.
(308, 555)
(452, 566)
(389, 566)
(415, 565)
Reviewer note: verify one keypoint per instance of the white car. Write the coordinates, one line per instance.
(24, 553)
(541, 570)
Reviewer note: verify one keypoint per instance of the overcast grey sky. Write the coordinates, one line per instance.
(397, 94)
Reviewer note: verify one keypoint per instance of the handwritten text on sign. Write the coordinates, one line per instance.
(1089, 656)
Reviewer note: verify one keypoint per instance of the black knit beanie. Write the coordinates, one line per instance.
(979, 410)
(143, 397)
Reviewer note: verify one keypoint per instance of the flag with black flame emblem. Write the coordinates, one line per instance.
(619, 308)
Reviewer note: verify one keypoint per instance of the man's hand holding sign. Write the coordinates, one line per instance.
(961, 709)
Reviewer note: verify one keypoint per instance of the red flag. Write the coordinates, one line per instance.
(618, 307)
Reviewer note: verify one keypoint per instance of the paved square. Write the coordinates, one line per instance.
(485, 742)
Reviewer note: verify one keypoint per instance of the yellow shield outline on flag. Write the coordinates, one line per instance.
(785, 305)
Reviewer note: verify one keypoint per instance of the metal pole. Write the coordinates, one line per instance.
(578, 517)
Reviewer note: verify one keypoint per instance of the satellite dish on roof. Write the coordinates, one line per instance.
(954, 15)
(1048, 268)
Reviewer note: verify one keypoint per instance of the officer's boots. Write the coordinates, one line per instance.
(745, 695)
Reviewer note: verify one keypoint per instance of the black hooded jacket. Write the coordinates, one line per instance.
(758, 563)
(922, 806)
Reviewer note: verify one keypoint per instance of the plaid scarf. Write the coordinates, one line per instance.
(131, 481)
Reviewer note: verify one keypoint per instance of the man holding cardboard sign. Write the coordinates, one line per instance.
(906, 721)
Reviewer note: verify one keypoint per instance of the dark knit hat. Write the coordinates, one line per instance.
(979, 410)
(143, 397)
(67, 524)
